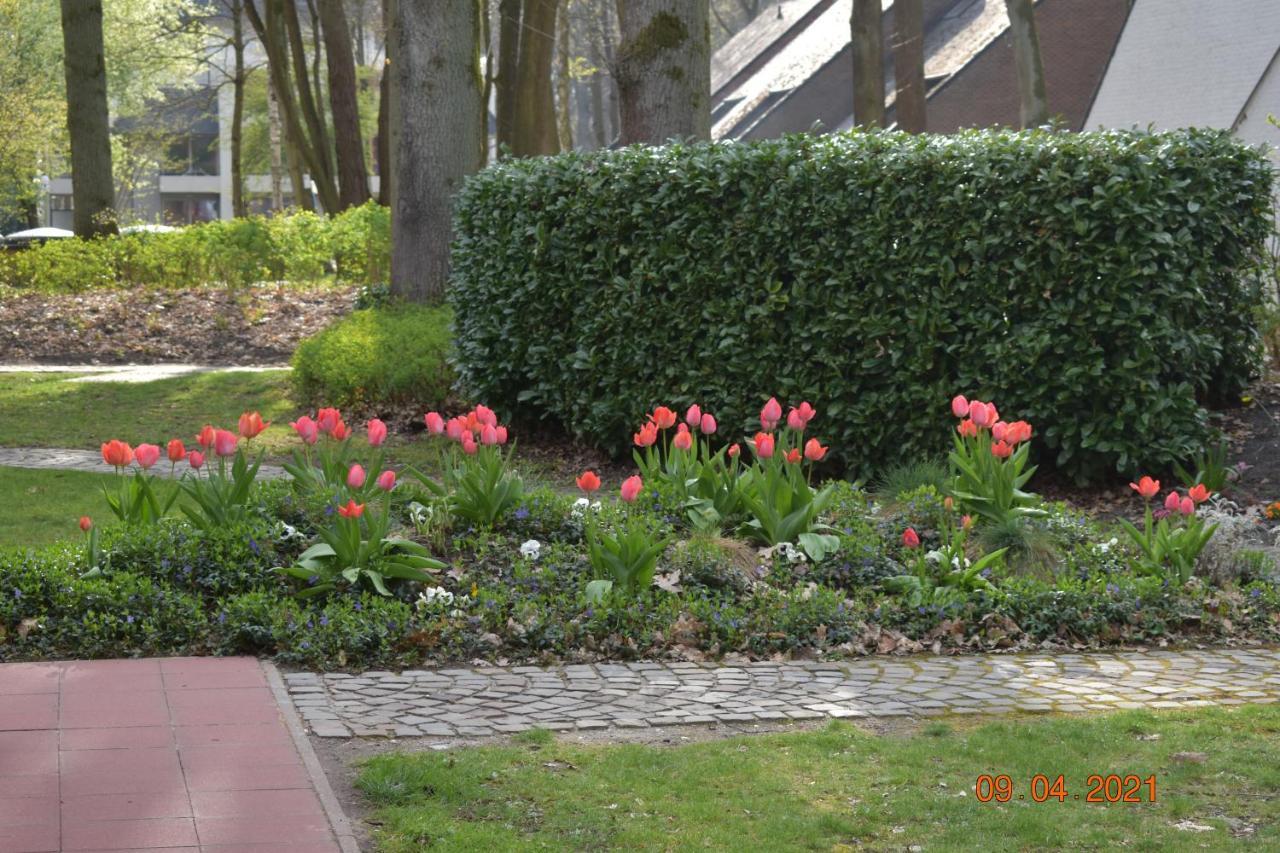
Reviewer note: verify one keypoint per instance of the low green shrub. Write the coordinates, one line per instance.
(1095, 282)
(380, 356)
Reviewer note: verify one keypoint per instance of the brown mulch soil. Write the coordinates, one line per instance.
(213, 326)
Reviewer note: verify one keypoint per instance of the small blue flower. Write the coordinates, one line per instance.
(521, 513)
(358, 607)
(253, 546)
(1253, 593)
(1113, 589)
(222, 617)
(324, 620)
(305, 645)
(129, 619)
(17, 593)
(313, 580)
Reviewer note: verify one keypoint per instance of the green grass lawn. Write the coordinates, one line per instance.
(843, 789)
(45, 505)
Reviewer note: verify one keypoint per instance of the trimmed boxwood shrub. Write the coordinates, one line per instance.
(1091, 283)
(378, 356)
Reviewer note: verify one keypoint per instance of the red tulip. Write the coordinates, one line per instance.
(734, 450)
(205, 438)
(684, 438)
(1001, 450)
(146, 455)
(435, 423)
(647, 435)
(340, 431)
(85, 523)
(795, 420)
(814, 451)
(488, 434)
(588, 481)
(1187, 506)
(1199, 493)
(355, 477)
(959, 406)
(377, 433)
(631, 487)
(707, 426)
(770, 414)
(307, 429)
(1172, 502)
(663, 417)
(351, 510)
(693, 417)
(224, 442)
(387, 480)
(177, 452)
(967, 428)
(117, 454)
(910, 538)
(502, 435)
(1146, 487)
(327, 419)
(196, 458)
(251, 424)
(1019, 431)
(764, 445)
(793, 455)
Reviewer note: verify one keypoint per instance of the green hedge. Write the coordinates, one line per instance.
(301, 248)
(1090, 283)
(378, 356)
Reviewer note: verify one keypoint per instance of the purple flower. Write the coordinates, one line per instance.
(1113, 589)
(253, 546)
(129, 619)
(324, 620)
(222, 617)
(521, 514)
(358, 606)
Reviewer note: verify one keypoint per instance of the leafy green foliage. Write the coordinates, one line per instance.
(1093, 282)
(394, 355)
(627, 556)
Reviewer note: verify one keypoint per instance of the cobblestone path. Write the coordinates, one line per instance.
(499, 700)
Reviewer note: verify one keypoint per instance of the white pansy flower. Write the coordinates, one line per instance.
(531, 549)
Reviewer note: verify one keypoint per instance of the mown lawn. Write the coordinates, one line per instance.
(46, 505)
(842, 789)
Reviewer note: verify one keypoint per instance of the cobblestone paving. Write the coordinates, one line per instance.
(134, 372)
(502, 700)
(90, 461)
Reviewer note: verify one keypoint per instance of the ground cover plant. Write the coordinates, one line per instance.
(718, 545)
(1214, 770)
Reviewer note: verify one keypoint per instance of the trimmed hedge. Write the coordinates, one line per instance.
(377, 356)
(301, 248)
(1092, 283)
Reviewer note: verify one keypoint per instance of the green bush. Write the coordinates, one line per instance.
(1090, 283)
(393, 355)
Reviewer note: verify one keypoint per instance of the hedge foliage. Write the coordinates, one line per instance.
(1091, 283)
(303, 248)
(392, 355)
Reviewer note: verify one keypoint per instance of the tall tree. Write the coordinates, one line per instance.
(908, 65)
(353, 177)
(236, 9)
(534, 131)
(664, 70)
(442, 136)
(868, 63)
(88, 121)
(385, 125)
(1033, 105)
(564, 84)
(509, 12)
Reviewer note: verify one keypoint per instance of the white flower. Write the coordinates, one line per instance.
(791, 553)
(531, 549)
(934, 556)
(434, 596)
(581, 503)
(286, 532)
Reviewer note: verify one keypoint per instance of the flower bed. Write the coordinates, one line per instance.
(717, 547)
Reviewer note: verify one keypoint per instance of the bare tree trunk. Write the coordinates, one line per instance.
(608, 35)
(385, 169)
(277, 157)
(320, 159)
(1033, 106)
(88, 121)
(598, 118)
(535, 107)
(437, 57)
(486, 89)
(238, 207)
(908, 65)
(353, 177)
(664, 70)
(509, 12)
(564, 86)
(868, 63)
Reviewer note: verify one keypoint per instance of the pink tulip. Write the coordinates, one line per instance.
(684, 438)
(795, 420)
(196, 459)
(693, 417)
(910, 538)
(488, 435)
(1001, 450)
(793, 455)
(205, 438)
(224, 442)
(307, 429)
(806, 412)
(734, 450)
(631, 487)
(85, 523)
(377, 433)
(355, 476)
(707, 426)
(647, 435)
(1000, 431)
(770, 414)
(251, 424)
(469, 445)
(340, 431)
(967, 428)
(764, 445)
(387, 480)
(177, 451)
(814, 451)
(328, 419)
(435, 423)
(146, 455)
(502, 435)
(1187, 506)
(981, 414)
(485, 415)
(1172, 502)
(454, 429)
(959, 406)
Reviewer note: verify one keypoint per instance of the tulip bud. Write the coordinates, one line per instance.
(387, 480)
(85, 523)
(355, 477)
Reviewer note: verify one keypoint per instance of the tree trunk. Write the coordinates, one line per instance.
(564, 86)
(437, 57)
(88, 122)
(277, 157)
(664, 70)
(598, 119)
(238, 207)
(1033, 106)
(508, 70)
(353, 178)
(868, 64)
(535, 107)
(908, 65)
(385, 168)
(317, 148)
